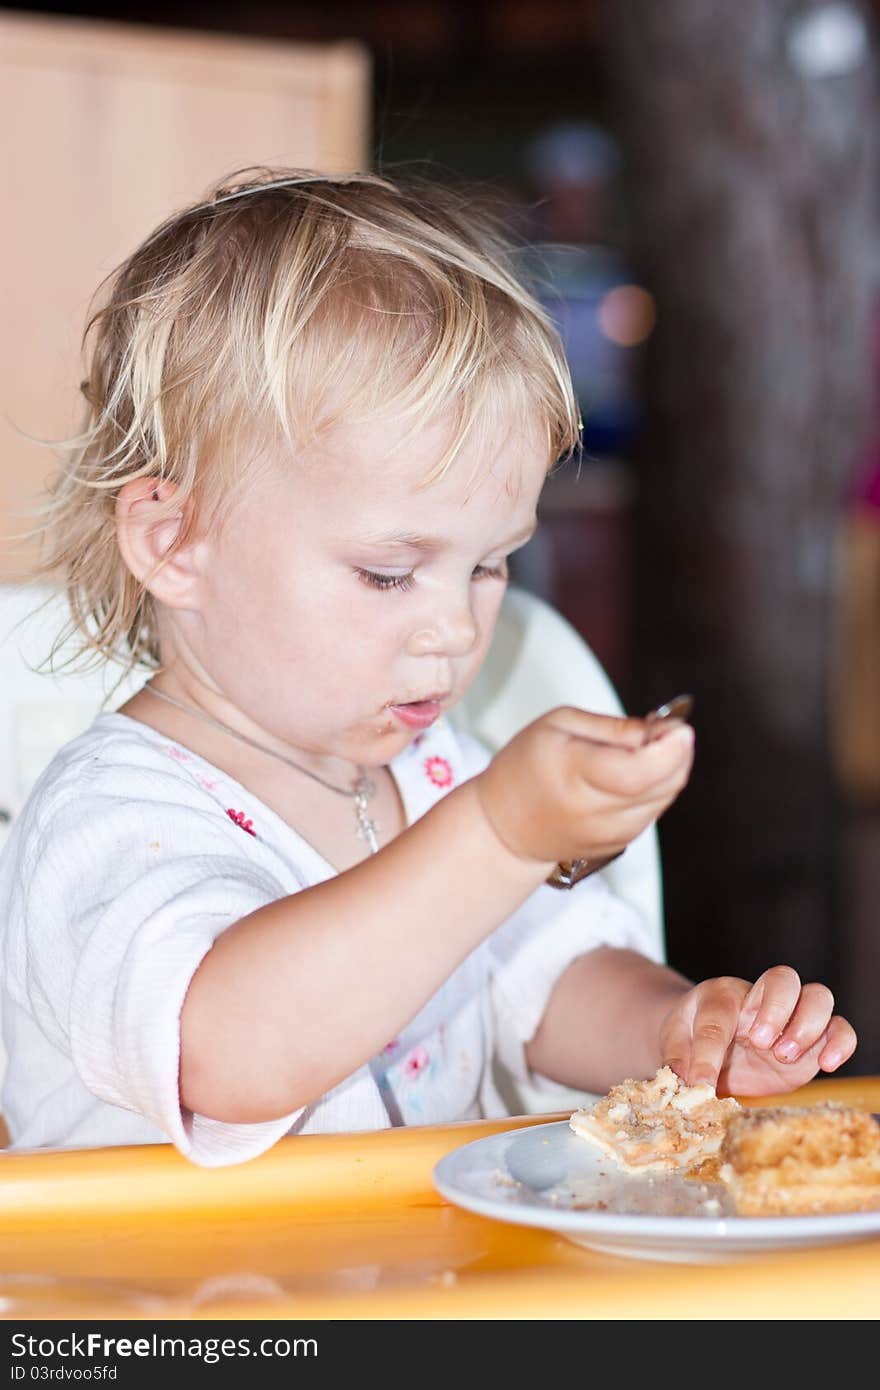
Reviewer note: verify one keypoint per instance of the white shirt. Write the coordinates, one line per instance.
(133, 854)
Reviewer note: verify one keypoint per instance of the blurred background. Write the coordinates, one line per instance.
(694, 186)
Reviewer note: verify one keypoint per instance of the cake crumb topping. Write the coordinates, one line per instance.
(657, 1124)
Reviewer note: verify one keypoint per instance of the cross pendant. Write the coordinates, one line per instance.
(366, 828)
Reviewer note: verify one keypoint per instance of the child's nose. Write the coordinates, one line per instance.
(452, 633)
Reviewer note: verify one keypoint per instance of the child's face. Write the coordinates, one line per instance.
(340, 592)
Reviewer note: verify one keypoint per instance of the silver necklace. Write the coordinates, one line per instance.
(363, 789)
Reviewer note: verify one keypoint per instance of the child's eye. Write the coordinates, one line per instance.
(385, 581)
(375, 580)
(498, 571)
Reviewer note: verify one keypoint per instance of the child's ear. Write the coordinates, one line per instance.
(147, 526)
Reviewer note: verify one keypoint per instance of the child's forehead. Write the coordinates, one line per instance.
(388, 448)
(359, 486)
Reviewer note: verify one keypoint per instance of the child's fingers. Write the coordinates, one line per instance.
(662, 728)
(612, 823)
(839, 1045)
(619, 731)
(696, 1043)
(645, 772)
(813, 1028)
(768, 1006)
(806, 1024)
(834, 1046)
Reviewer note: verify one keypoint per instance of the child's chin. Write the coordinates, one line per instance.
(388, 738)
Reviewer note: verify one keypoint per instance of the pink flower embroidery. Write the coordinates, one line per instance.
(392, 1046)
(209, 783)
(415, 1062)
(238, 817)
(439, 771)
(178, 754)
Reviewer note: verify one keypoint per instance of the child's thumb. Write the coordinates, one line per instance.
(619, 730)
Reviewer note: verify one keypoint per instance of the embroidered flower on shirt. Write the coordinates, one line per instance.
(209, 783)
(178, 754)
(439, 771)
(416, 1062)
(392, 1046)
(239, 818)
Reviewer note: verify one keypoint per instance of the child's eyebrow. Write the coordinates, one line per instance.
(412, 541)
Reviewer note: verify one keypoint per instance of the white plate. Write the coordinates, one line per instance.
(546, 1176)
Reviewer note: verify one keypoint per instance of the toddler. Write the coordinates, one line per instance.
(277, 892)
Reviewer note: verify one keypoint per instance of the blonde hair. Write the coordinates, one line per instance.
(285, 302)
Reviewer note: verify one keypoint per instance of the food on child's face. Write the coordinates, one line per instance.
(793, 1161)
(656, 1125)
(769, 1161)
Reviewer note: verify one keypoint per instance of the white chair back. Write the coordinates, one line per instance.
(38, 711)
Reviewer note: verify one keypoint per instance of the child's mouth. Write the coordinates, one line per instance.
(417, 714)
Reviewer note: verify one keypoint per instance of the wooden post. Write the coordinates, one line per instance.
(748, 140)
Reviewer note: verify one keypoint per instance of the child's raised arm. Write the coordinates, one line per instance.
(296, 996)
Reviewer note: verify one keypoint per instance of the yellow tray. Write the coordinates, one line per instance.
(350, 1226)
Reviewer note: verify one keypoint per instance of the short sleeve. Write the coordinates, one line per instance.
(534, 948)
(117, 908)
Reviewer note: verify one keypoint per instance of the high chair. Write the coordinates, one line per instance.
(537, 661)
(39, 712)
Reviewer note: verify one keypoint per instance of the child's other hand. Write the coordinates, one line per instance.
(759, 1039)
(575, 785)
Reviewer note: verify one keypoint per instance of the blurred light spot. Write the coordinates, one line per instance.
(627, 314)
(829, 42)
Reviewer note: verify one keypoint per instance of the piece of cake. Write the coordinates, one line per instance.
(660, 1124)
(792, 1161)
